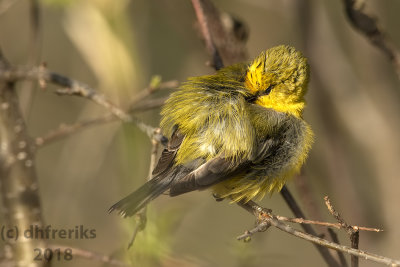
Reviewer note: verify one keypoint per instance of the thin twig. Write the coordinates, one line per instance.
(148, 104)
(307, 228)
(141, 215)
(65, 130)
(261, 227)
(352, 231)
(337, 216)
(271, 220)
(86, 254)
(368, 25)
(73, 87)
(326, 224)
(155, 85)
(137, 105)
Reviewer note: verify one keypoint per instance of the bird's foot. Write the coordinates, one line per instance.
(261, 215)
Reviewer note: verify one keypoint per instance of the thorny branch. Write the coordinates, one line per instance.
(368, 25)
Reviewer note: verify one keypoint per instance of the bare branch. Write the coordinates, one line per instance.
(198, 6)
(224, 35)
(148, 104)
(137, 104)
(307, 228)
(354, 239)
(327, 224)
(19, 193)
(73, 87)
(368, 25)
(155, 85)
(65, 130)
(268, 219)
(352, 231)
(261, 227)
(333, 235)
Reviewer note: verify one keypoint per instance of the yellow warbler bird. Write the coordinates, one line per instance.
(239, 132)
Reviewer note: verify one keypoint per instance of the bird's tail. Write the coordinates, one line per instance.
(137, 200)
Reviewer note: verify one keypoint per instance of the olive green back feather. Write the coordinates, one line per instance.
(211, 112)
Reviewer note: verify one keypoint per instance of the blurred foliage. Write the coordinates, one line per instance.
(58, 3)
(153, 244)
(117, 46)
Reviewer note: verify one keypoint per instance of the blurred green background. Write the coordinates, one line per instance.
(117, 46)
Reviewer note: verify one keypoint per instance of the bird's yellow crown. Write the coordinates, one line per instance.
(280, 76)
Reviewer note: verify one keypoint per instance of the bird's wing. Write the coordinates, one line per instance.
(168, 155)
(163, 174)
(207, 174)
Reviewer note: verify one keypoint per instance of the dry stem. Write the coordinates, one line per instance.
(268, 219)
(73, 87)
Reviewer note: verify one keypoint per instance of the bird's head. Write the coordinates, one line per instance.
(278, 79)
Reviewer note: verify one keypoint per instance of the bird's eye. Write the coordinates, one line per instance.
(254, 97)
(267, 91)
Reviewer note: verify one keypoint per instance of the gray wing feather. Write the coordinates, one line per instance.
(209, 173)
(168, 155)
